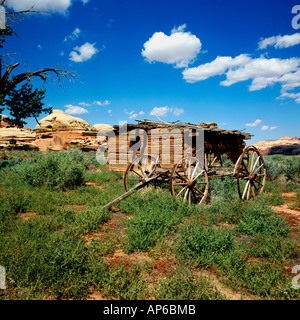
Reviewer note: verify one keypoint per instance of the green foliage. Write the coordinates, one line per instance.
(274, 170)
(120, 280)
(12, 141)
(25, 102)
(63, 170)
(10, 162)
(261, 219)
(185, 286)
(103, 177)
(87, 220)
(7, 32)
(62, 250)
(152, 219)
(39, 258)
(15, 198)
(203, 246)
(287, 166)
(292, 169)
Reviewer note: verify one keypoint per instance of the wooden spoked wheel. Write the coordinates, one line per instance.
(189, 180)
(250, 173)
(140, 168)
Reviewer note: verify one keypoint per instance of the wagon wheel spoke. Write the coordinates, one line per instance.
(199, 192)
(196, 166)
(179, 193)
(141, 169)
(184, 183)
(198, 175)
(181, 177)
(256, 162)
(194, 195)
(186, 194)
(258, 182)
(245, 189)
(256, 187)
(258, 168)
(136, 173)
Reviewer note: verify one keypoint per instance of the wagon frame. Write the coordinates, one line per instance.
(189, 177)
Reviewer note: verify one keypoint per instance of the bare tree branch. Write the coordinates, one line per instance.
(6, 86)
(14, 15)
(7, 73)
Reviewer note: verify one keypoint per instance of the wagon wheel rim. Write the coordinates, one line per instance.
(189, 180)
(139, 169)
(251, 173)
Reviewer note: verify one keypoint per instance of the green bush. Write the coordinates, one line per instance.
(203, 246)
(261, 219)
(274, 170)
(292, 169)
(185, 286)
(16, 197)
(63, 170)
(155, 215)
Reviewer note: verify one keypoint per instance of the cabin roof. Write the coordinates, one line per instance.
(207, 127)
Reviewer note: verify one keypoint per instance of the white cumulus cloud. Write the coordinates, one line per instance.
(280, 41)
(180, 48)
(216, 67)
(264, 128)
(159, 111)
(73, 36)
(97, 103)
(256, 123)
(83, 53)
(60, 6)
(163, 111)
(74, 109)
(262, 71)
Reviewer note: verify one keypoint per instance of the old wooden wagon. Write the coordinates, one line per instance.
(186, 156)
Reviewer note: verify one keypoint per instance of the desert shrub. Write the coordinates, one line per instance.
(155, 215)
(108, 177)
(87, 220)
(274, 170)
(257, 276)
(12, 141)
(223, 189)
(39, 258)
(291, 169)
(225, 211)
(274, 248)
(10, 162)
(15, 197)
(185, 286)
(261, 219)
(120, 280)
(202, 246)
(63, 170)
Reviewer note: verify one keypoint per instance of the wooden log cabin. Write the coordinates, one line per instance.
(170, 141)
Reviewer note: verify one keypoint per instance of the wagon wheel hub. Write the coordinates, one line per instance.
(191, 183)
(252, 176)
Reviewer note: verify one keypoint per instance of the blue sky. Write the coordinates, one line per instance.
(236, 63)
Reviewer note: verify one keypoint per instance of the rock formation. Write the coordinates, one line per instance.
(284, 145)
(12, 137)
(56, 132)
